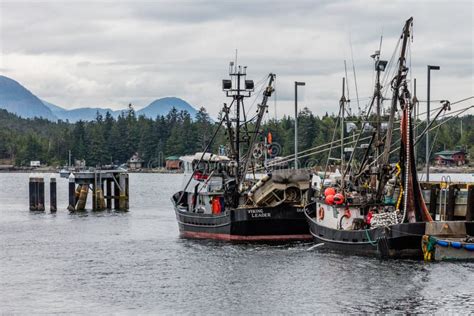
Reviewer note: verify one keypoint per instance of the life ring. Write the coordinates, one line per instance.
(321, 213)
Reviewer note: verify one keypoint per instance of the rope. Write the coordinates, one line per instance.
(370, 239)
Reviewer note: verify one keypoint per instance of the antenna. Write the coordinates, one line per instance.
(348, 100)
(381, 39)
(236, 53)
(355, 78)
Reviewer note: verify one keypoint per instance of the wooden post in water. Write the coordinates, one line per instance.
(32, 190)
(116, 194)
(52, 195)
(127, 203)
(108, 185)
(40, 205)
(81, 203)
(452, 192)
(470, 203)
(72, 193)
(94, 192)
(123, 193)
(434, 191)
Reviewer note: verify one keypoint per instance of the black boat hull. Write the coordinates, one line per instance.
(394, 241)
(281, 223)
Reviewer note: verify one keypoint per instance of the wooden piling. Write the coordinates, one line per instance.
(32, 190)
(72, 193)
(40, 206)
(127, 181)
(123, 193)
(452, 192)
(116, 195)
(81, 204)
(52, 195)
(470, 203)
(108, 185)
(434, 191)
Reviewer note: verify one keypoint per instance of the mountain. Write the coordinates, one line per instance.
(74, 115)
(17, 99)
(164, 105)
(54, 108)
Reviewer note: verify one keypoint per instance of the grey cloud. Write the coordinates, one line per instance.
(109, 53)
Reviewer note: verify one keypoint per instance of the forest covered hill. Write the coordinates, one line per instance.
(114, 140)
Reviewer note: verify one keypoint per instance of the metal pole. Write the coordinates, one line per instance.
(427, 152)
(296, 125)
(237, 130)
(343, 100)
(297, 83)
(430, 67)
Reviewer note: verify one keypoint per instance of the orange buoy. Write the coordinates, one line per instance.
(329, 191)
(330, 199)
(216, 206)
(269, 138)
(338, 198)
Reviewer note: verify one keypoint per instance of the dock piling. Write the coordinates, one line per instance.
(434, 191)
(116, 194)
(40, 206)
(108, 185)
(470, 203)
(81, 204)
(452, 192)
(32, 191)
(52, 195)
(123, 193)
(72, 193)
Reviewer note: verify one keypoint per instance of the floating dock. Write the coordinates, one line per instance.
(107, 187)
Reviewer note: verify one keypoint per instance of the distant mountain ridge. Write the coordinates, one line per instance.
(18, 100)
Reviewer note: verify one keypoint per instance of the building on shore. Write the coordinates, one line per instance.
(135, 162)
(172, 163)
(450, 158)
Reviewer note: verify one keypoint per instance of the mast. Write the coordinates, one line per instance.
(342, 103)
(261, 112)
(379, 67)
(237, 74)
(396, 83)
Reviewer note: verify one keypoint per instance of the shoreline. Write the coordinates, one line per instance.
(13, 170)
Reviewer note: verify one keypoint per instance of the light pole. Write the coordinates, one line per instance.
(297, 83)
(430, 67)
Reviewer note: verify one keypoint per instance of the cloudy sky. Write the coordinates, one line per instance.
(110, 53)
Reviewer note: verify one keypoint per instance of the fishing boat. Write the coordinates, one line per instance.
(222, 198)
(376, 206)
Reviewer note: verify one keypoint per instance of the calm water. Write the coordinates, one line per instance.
(135, 263)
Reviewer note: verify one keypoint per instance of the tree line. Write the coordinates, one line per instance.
(109, 140)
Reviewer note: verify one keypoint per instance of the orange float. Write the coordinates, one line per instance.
(338, 199)
(329, 191)
(330, 199)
